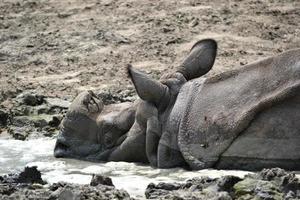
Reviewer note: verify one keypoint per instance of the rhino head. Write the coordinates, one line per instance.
(78, 132)
(140, 132)
(89, 130)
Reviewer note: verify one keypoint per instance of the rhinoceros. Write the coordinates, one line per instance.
(248, 118)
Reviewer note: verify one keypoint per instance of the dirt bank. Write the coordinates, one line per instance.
(59, 48)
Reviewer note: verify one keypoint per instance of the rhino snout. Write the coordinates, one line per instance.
(61, 148)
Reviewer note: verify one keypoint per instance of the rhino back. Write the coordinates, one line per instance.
(223, 106)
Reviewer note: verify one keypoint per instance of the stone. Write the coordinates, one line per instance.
(269, 184)
(101, 180)
(3, 118)
(57, 102)
(30, 99)
(20, 133)
(30, 175)
(29, 185)
(227, 182)
(55, 121)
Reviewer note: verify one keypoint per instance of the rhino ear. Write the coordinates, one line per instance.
(147, 88)
(200, 59)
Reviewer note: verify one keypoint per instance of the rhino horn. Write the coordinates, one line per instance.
(200, 59)
(147, 88)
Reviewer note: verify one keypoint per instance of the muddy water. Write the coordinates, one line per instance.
(134, 178)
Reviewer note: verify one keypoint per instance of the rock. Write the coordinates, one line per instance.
(30, 175)
(268, 184)
(226, 183)
(7, 94)
(34, 104)
(40, 123)
(21, 127)
(165, 186)
(33, 115)
(76, 191)
(49, 131)
(42, 109)
(270, 174)
(3, 118)
(57, 103)
(257, 188)
(20, 133)
(101, 180)
(29, 185)
(36, 186)
(290, 182)
(30, 99)
(110, 97)
(196, 188)
(21, 110)
(20, 121)
(290, 195)
(55, 121)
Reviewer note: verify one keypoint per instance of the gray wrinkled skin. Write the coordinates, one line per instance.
(242, 119)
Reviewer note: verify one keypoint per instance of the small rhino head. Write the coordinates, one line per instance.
(77, 137)
(90, 130)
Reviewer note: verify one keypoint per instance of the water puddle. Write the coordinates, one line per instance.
(134, 178)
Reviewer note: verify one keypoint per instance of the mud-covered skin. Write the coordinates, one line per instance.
(233, 120)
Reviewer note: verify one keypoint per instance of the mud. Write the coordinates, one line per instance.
(32, 115)
(59, 48)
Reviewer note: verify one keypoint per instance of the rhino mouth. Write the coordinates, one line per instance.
(74, 147)
(61, 149)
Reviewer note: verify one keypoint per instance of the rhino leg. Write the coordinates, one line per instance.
(133, 147)
(153, 133)
(141, 142)
(168, 152)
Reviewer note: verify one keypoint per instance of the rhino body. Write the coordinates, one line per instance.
(243, 119)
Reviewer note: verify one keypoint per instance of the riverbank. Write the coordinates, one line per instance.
(267, 184)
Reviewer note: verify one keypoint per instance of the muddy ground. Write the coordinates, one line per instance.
(59, 48)
(50, 50)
